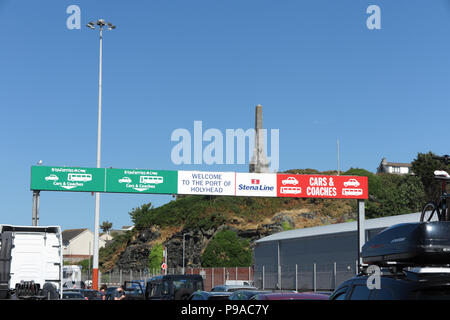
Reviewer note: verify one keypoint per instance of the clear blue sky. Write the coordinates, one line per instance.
(319, 73)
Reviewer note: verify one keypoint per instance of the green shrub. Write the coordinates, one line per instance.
(155, 258)
(226, 249)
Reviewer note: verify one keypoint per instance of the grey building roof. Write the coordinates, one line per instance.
(376, 223)
(398, 164)
(68, 235)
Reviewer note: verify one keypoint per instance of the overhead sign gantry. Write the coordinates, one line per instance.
(110, 180)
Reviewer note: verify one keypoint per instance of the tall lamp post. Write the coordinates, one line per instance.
(100, 23)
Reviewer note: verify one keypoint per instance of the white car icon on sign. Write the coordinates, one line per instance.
(290, 180)
(125, 180)
(351, 183)
(52, 177)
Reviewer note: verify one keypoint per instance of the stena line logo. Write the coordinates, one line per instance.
(256, 184)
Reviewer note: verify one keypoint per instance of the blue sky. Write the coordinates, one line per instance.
(319, 73)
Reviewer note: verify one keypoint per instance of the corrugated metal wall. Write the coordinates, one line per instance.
(319, 262)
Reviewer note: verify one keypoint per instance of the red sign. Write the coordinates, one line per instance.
(317, 186)
(164, 266)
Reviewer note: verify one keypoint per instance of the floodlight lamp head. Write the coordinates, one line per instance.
(101, 22)
(91, 25)
(111, 26)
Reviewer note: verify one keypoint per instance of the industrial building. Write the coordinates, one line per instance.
(317, 258)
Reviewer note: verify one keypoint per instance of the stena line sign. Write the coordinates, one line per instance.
(256, 184)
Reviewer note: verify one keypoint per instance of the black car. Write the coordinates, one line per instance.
(134, 290)
(412, 261)
(72, 295)
(173, 287)
(413, 284)
(109, 294)
(208, 295)
(92, 294)
(245, 294)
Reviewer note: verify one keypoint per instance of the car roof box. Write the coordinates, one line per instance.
(410, 244)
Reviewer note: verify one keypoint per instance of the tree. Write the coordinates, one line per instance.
(423, 167)
(155, 257)
(106, 226)
(226, 249)
(374, 183)
(391, 194)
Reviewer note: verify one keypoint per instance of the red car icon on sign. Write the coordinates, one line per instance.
(351, 183)
(290, 180)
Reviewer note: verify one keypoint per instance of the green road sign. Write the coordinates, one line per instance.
(103, 180)
(141, 181)
(67, 179)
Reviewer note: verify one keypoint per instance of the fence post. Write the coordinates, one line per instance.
(249, 272)
(296, 277)
(263, 278)
(212, 278)
(315, 278)
(224, 280)
(120, 276)
(131, 275)
(334, 275)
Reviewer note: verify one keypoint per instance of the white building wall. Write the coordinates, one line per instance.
(81, 243)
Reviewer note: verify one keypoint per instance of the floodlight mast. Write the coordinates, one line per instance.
(95, 279)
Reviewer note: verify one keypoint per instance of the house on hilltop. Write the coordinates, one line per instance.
(394, 167)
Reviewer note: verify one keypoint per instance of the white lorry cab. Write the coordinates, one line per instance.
(30, 262)
(72, 277)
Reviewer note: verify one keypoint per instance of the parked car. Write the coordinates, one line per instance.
(208, 295)
(173, 287)
(232, 288)
(422, 284)
(109, 294)
(92, 294)
(134, 290)
(245, 294)
(72, 295)
(421, 253)
(289, 296)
